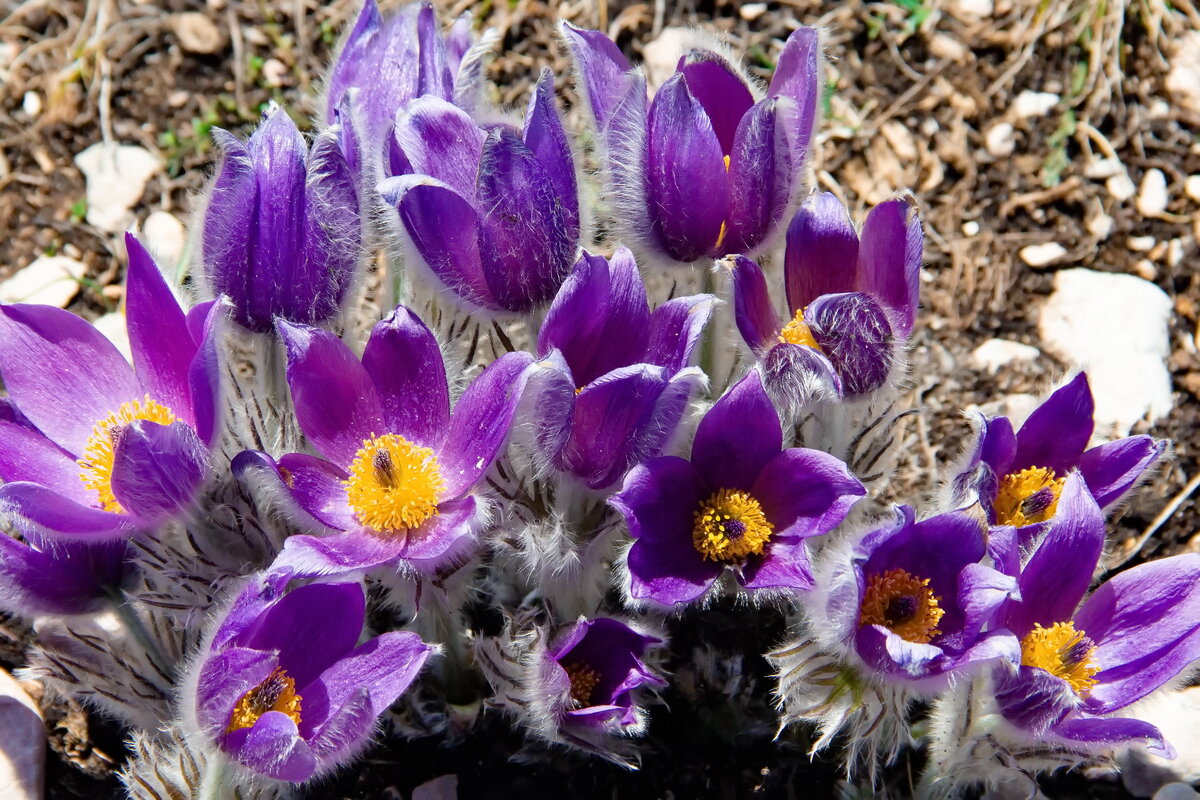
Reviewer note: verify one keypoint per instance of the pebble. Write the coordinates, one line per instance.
(752, 11)
(1121, 187)
(1017, 407)
(1145, 269)
(1034, 104)
(1101, 226)
(970, 228)
(164, 236)
(1000, 140)
(31, 103)
(23, 745)
(947, 48)
(49, 280)
(1042, 255)
(1183, 77)
(116, 177)
(178, 98)
(994, 354)
(1115, 327)
(113, 327)
(1152, 196)
(1191, 187)
(197, 33)
(661, 56)
(1174, 253)
(971, 10)
(1103, 168)
(1140, 244)
(274, 72)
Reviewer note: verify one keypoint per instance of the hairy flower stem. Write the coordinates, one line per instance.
(212, 784)
(439, 620)
(137, 629)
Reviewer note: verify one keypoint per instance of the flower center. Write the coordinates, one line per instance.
(1063, 652)
(393, 484)
(902, 603)
(1028, 496)
(729, 526)
(798, 332)
(98, 453)
(583, 682)
(276, 693)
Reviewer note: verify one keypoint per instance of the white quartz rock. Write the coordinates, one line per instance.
(994, 354)
(49, 280)
(116, 177)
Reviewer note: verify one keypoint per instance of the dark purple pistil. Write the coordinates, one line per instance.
(1038, 502)
(734, 528)
(1077, 652)
(901, 609)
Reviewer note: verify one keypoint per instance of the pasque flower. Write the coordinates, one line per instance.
(709, 168)
(625, 375)
(742, 503)
(851, 299)
(283, 687)
(103, 450)
(282, 232)
(1083, 661)
(1019, 478)
(493, 212)
(399, 470)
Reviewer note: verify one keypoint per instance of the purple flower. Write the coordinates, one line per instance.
(102, 449)
(284, 688)
(707, 170)
(493, 212)
(913, 600)
(625, 380)
(850, 299)
(1019, 478)
(399, 471)
(1081, 662)
(39, 576)
(740, 503)
(282, 233)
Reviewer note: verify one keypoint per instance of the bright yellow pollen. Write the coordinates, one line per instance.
(724, 226)
(1063, 652)
(394, 484)
(276, 693)
(729, 526)
(97, 460)
(1028, 496)
(904, 604)
(798, 332)
(583, 682)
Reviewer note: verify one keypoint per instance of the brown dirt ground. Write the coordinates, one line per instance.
(912, 87)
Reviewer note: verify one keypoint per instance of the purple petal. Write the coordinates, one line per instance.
(445, 537)
(738, 436)
(1108, 733)
(753, 310)
(999, 445)
(336, 402)
(885, 651)
(659, 500)
(332, 236)
(433, 76)
(1058, 430)
(806, 492)
(721, 92)
(223, 680)
(1146, 623)
(855, 336)
(760, 179)
(340, 554)
(50, 514)
(204, 374)
(686, 180)
(547, 140)
(337, 735)
(528, 233)
(228, 220)
(1111, 469)
(480, 422)
(795, 375)
(320, 489)
(981, 592)
(784, 564)
(442, 141)
(63, 374)
(62, 579)
(599, 320)
(1032, 698)
(822, 251)
(404, 360)
(26, 455)
(601, 67)
(353, 55)
(273, 747)
(158, 334)
(157, 469)
(889, 260)
(675, 330)
(798, 78)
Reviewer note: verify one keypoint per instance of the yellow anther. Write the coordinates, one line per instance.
(729, 526)
(583, 682)
(276, 693)
(1028, 496)
(902, 603)
(394, 484)
(1063, 652)
(98, 454)
(798, 332)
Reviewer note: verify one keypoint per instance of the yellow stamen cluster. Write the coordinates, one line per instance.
(394, 484)
(98, 454)
(1063, 652)
(904, 604)
(276, 693)
(798, 332)
(729, 526)
(583, 682)
(1027, 497)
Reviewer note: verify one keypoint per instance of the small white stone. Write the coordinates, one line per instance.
(1041, 255)
(1174, 253)
(31, 103)
(1152, 196)
(994, 354)
(971, 10)
(1159, 109)
(1191, 187)
(1017, 407)
(947, 48)
(164, 236)
(1101, 226)
(661, 56)
(1000, 140)
(197, 33)
(274, 72)
(900, 139)
(1103, 168)
(1034, 104)
(1183, 78)
(178, 98)
(752, 11)
(970, 228)
(8, 51)
(23, 745)
(49, 280)
(1120, 187)
(1144, 268)
(116, 177)
(113, 327)
(1140, 244)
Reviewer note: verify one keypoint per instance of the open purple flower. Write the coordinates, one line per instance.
(283, 687)
(850, 299)
(399, 470)
(493, 212)
(1081, 662)
(741, 503)
(282, 233)
(707, 170)
(626, 380)
(105, 450)
(914, 600)
(1018, 478)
